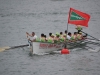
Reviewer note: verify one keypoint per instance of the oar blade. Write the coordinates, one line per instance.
(95, 50)
(4, 48)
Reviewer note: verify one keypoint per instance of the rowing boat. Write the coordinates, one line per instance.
(40, 47)
(44, 47)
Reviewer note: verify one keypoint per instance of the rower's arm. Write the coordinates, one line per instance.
(28, 34)
(33, 40)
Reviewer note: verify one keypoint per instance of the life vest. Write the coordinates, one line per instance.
(79, 28)
(38, 40)
(61, 36)
(75, 36)
(42, 39)
(78, 36)
(67, 39)
(56, 40)
(61, 39)
(72, 38)
(50, 40)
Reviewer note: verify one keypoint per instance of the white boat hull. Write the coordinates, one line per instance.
(39, 47)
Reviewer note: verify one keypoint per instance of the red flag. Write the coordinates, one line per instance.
(78, 18)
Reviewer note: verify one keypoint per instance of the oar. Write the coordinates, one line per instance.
(92, 49)
(91, 39)
(91, 42)
(8, 47)
(76, 44)
(89, 48)
(91, 36)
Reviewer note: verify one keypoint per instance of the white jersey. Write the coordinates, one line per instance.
(33, 37)
(68, 37)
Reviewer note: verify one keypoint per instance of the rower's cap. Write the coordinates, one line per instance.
(80, 32)
(52, 35)
(78, 25)
(64, 34)
(57, 33)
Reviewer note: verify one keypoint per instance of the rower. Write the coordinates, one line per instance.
(50, 38)
(32, 37)
(57, 34)
(79, 36)
(65, 32)
(63, 38)
(69, 35)
(79, 28)
(84, 36)
(74, 36)
(61, 34)
(57, 38)
(38, 40)
(53, 36)
(42, 38)
(45, 37)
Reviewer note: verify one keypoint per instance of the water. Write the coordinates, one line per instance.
(44, 16)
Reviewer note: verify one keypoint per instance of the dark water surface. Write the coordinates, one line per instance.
(44, 16)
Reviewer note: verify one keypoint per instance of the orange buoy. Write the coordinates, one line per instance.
(64, 51)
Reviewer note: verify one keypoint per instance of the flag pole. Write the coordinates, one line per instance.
(66, 38)
(67, 35)
(67, 30)
(65, 50)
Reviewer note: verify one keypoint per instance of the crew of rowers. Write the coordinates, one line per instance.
(60, 37)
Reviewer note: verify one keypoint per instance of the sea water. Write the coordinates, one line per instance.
(44, 16)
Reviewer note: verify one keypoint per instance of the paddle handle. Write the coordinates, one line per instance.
(91, 36)
(19, 46)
